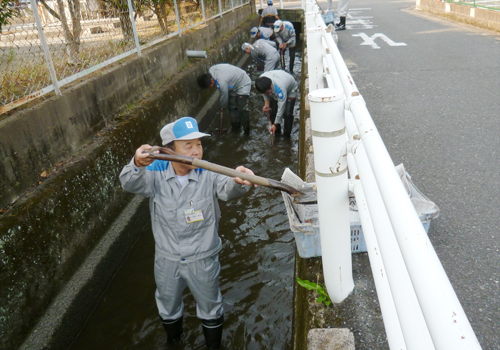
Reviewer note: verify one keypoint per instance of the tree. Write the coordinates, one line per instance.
(121, 7)
(162, 11)
(71, 36)
(7, 12)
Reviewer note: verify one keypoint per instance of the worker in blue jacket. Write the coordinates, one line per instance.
(185, 218)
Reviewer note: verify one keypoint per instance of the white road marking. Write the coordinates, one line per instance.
(370, 40)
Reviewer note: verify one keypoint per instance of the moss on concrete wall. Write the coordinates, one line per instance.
(47, 235)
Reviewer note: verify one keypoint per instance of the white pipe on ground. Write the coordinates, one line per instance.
(330, 163)
(196, 54)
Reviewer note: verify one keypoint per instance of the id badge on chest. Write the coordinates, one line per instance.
(192, 216)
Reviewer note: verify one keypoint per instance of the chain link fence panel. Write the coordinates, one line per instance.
(82, 36)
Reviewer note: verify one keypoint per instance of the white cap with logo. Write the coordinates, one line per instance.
(185, 128)
(277, 25)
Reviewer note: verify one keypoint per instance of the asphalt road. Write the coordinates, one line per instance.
(436, 104)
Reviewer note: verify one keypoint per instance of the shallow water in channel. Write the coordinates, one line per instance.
(257, 257)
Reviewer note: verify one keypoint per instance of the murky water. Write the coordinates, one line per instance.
(257, 257)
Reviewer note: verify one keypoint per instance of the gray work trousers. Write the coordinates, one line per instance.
(342, 7)
(202, 278)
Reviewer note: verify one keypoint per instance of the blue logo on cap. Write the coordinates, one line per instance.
(185, 126)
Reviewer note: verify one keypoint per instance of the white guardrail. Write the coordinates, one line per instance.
(419, 306)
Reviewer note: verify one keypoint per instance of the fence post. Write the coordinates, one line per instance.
(177, 18)
(203, 11)
(330, 163)
(134, 29)
(232, 6)
(43, 40)
(220, 8)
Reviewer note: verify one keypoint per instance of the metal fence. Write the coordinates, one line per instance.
(46, 44)
(487, 4)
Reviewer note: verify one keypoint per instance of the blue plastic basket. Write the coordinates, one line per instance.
(307, 234)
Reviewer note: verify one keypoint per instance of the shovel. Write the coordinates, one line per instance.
(220, 130)
(270, 125)
(282, 54)
(305, 195)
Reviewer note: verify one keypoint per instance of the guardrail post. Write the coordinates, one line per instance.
(330, 163)
(48, 58)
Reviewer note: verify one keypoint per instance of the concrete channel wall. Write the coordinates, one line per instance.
(82, 139)
(35, 140)
(479, 17)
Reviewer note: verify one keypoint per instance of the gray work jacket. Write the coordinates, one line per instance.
(269, 11)
(170, 204)
(230, 80)
(284, 86)
(287, 35)
(264, 54)
(266, 33)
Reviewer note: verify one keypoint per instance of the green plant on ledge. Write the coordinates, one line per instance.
(320, 289)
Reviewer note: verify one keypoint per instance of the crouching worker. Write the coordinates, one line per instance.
(263, 54)
(279, 90)
(234, 86)
(185, 217)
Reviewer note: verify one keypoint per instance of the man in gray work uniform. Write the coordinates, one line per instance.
(263, 33)
(185, 217)
(269, 15)
(263, 54)
(234, 86)
(342, 9)
(278, 85)
(285, 35)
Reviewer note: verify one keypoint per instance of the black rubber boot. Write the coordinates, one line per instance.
(291, 52)
(278, 129)
(212, 329)
(174, 329)
(341, 24)
(235, 127)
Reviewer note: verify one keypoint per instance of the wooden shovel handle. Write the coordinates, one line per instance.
(170, 155)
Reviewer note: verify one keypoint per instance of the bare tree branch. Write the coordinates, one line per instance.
(51, 11)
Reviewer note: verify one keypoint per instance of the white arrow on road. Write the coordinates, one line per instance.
(370, 40)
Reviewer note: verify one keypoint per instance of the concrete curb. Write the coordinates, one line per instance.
(330, 339)
(480, 17)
